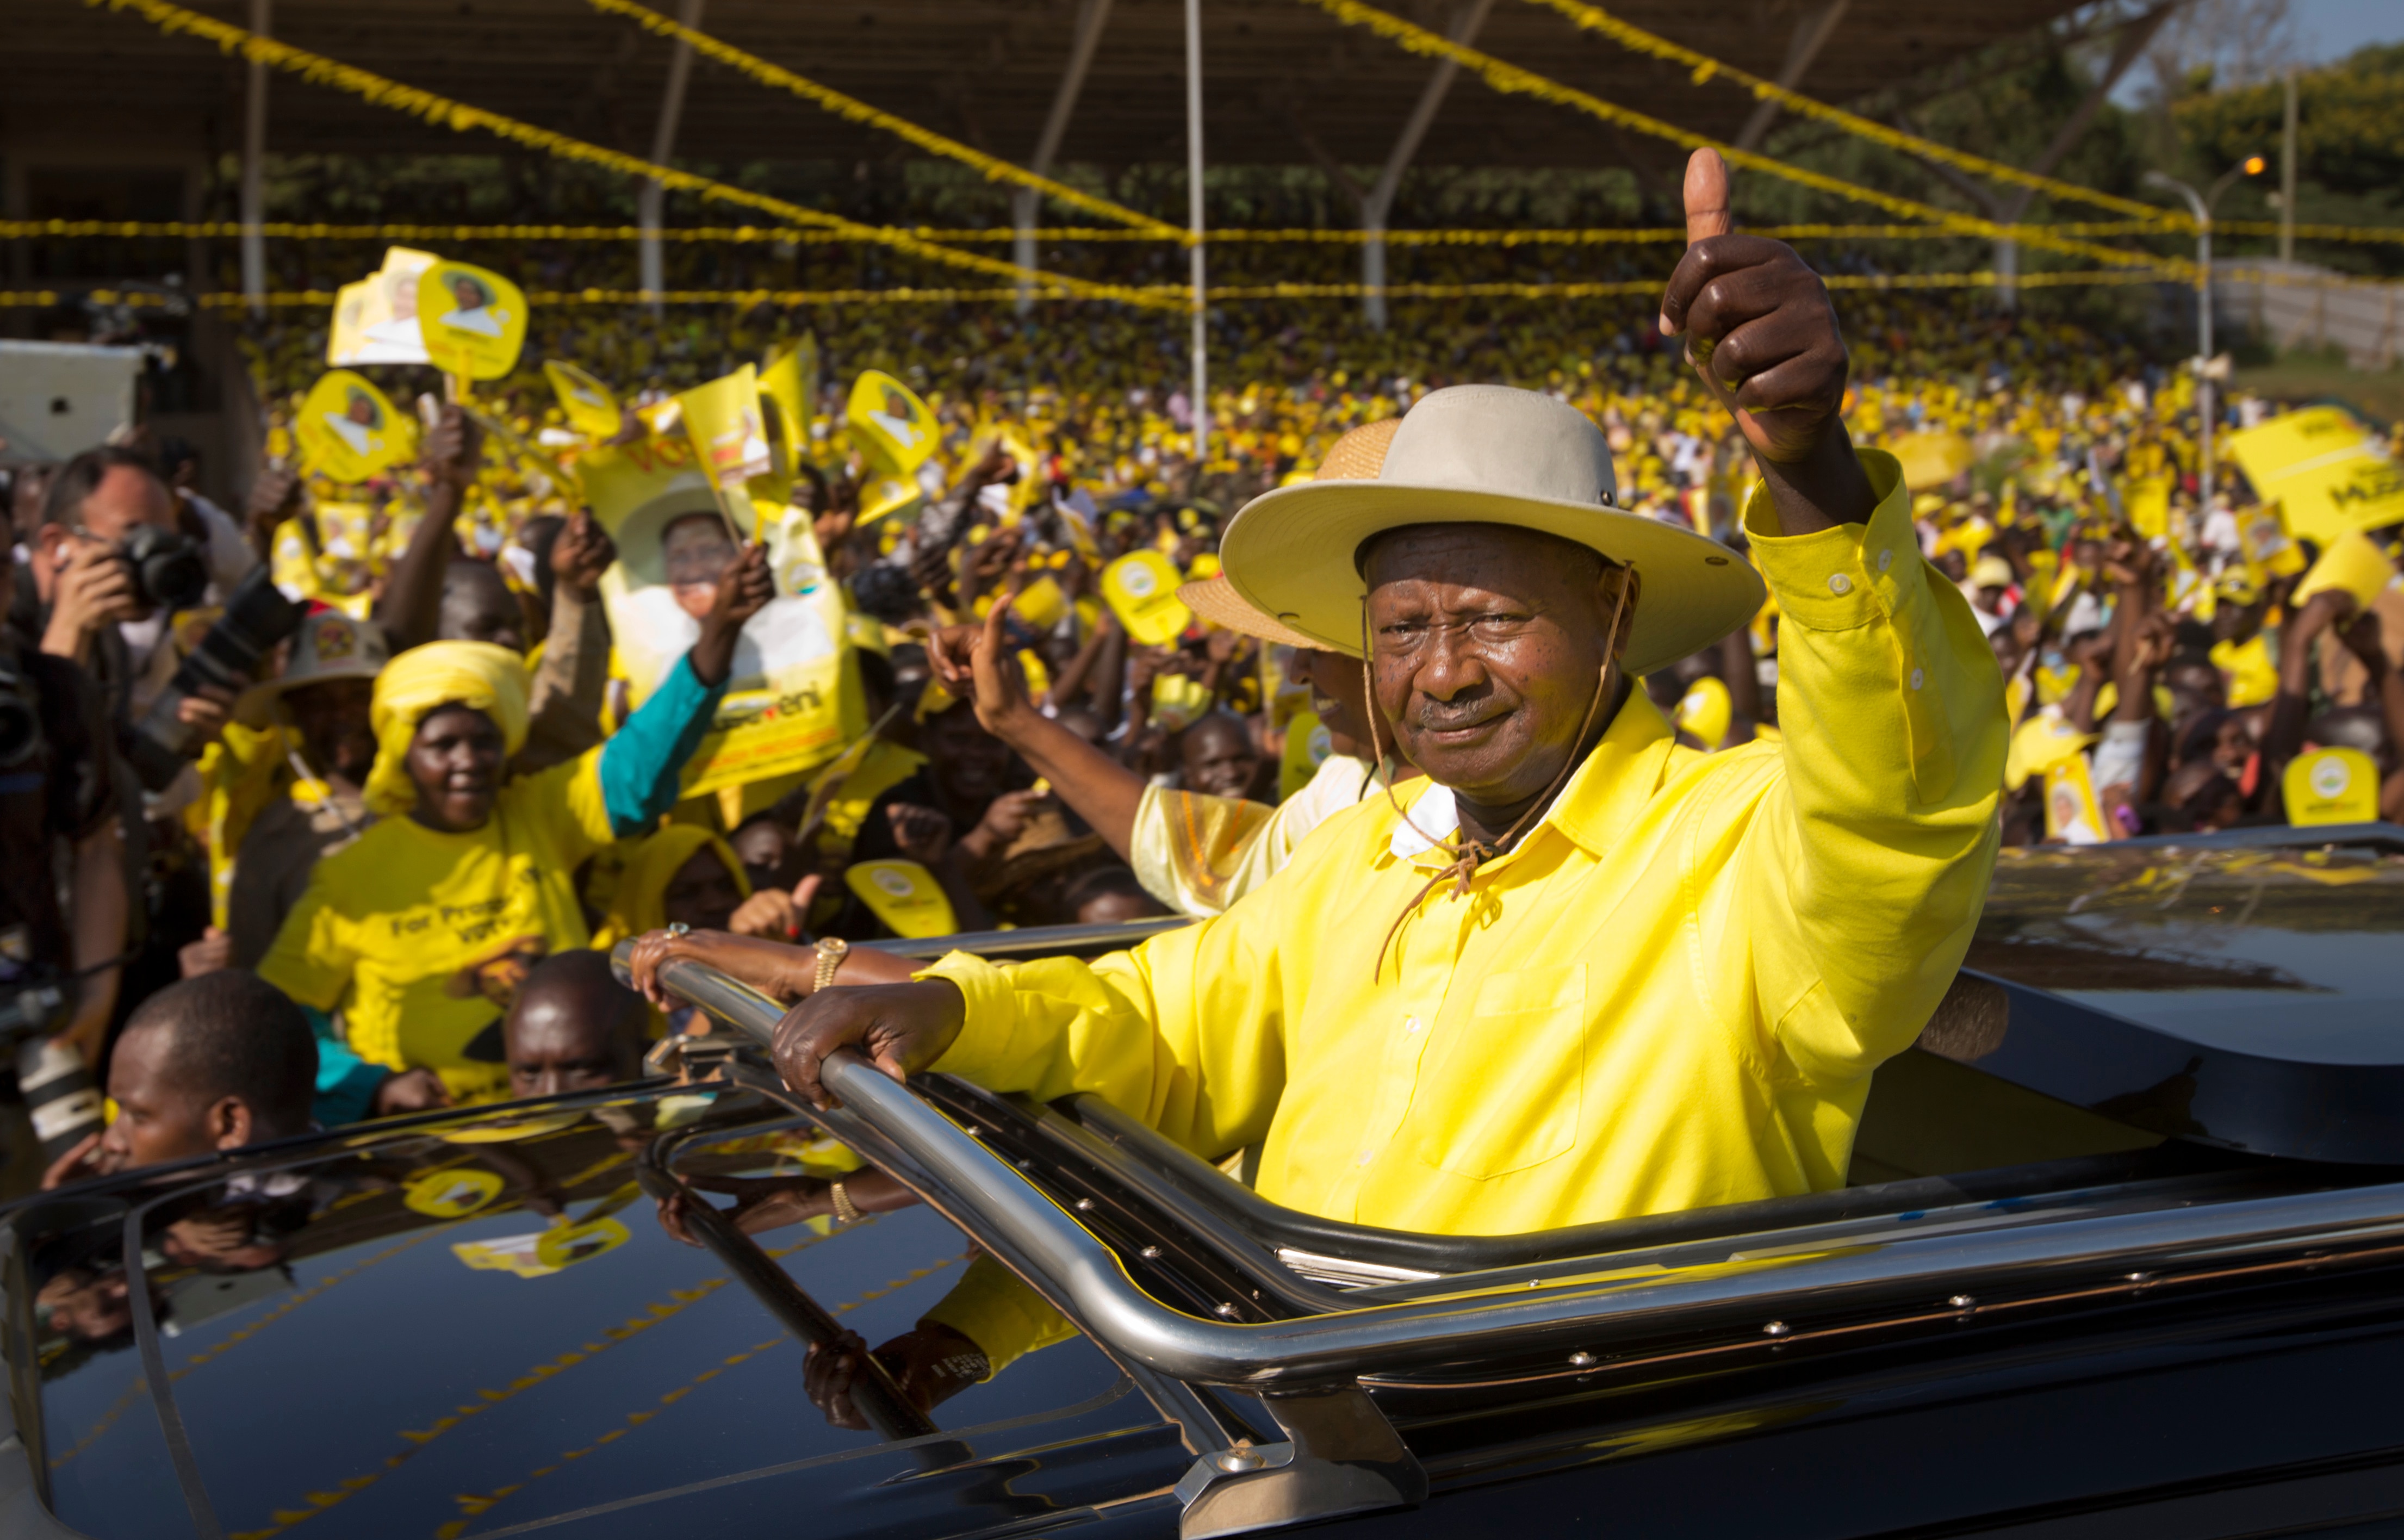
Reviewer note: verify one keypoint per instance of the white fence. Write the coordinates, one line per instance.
(2293, 305)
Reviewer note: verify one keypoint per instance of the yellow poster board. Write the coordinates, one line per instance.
(2329, 472)
(890, 423)
(1140, 587)
(791, 703)
(592, 406)
(1307, 748)
(375, 320)
(2352, 562)
(2331, 786)
(904, 895)
(473, 319)
(2071, 815)
(348, 432)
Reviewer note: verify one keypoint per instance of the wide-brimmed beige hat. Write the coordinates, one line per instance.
(1484, 455)
(1355, 457)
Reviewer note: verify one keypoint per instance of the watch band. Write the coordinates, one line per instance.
(831, 951)
(846, 1212)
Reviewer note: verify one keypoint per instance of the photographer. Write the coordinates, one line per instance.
(109, 565)
(57, 813)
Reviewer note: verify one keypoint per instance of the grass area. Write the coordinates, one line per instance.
(2301, 377)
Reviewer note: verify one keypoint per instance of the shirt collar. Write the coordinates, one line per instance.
(1602, 799)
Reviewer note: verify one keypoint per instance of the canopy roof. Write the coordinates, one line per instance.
(1281, 75)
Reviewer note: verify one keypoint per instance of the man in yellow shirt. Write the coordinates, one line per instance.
(1588, 974)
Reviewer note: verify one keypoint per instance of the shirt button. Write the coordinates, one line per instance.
(1365, 1157)
(1918, 678)
(1839, 584)
(1886, 559)
(1410, 1024)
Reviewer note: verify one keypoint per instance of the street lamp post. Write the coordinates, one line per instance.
(2201, 206)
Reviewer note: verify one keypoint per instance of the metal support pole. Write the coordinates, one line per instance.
(254, 169)
(1201, 395)
(1380, 200)
(1091, 14)
(2287, 175)
(649, 199)
(2204, 356)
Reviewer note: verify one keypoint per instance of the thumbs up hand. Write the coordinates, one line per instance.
(1761, 331)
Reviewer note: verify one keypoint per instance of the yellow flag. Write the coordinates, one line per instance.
(1141, 588)
(904, 895)
(473, 320)
(790, 379)
(891, 426)
(592, 406)
(2329, 471)
(347, 430)
(2331, 786)
(728, 429)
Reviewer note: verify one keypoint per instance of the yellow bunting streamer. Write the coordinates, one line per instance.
(1703, 68)
(1511, 80)
(791, 298)
(857, 111)
(32, 229)
(459, 117)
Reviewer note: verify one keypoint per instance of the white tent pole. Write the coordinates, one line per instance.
(1194, 224)
(649, 198)
(254, 169)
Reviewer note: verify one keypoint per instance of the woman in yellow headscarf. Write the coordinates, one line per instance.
(422, 930)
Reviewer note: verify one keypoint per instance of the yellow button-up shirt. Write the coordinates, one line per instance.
(1671, 994)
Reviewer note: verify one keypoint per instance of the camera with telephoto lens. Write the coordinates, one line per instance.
(168, 571)
(255, 620)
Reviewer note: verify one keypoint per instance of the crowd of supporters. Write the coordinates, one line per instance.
(414, 822)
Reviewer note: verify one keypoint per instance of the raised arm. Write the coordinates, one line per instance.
(971, 661)
(411, 611)
(1761, 332)
(1872, 854)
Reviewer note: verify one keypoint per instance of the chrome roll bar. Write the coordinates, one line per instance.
(1584, 1314)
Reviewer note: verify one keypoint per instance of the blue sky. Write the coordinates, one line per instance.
(2331, 29)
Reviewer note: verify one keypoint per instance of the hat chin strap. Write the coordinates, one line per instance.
(1469, 854)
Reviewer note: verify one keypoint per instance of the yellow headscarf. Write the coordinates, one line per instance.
(640, 903)
(415, 683)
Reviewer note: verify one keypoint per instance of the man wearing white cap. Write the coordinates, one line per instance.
(1585, 974)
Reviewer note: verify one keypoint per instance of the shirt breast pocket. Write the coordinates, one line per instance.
(1506, 1087)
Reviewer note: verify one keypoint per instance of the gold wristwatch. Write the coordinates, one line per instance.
(831, 951)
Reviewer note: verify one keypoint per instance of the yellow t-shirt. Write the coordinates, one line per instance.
(420, 937)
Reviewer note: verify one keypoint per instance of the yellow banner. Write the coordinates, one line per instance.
(2328, 471)
(790, 379)
(792, 702)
